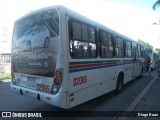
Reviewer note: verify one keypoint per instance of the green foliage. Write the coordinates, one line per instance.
(5, 76)
(156, 4)
(145, 44)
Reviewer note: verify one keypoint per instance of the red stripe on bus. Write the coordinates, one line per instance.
(92, 65)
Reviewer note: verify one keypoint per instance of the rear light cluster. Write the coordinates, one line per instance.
(151, 62)
(57, 80)
(58, 76)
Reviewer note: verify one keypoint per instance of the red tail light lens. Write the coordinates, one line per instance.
(56, 81)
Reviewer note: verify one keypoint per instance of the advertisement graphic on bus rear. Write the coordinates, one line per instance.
(35, 43)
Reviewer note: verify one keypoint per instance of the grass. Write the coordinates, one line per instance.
(5, 76)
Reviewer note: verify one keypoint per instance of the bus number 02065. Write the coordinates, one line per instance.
(79, 80)
(43, 88)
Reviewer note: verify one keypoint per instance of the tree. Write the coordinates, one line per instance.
(156, 4)
(154, 8)
(145, 44)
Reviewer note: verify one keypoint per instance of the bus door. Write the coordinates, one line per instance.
(135, 62)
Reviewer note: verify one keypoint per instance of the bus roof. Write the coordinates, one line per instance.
(80, 17)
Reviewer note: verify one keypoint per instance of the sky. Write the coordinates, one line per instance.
(132, 18)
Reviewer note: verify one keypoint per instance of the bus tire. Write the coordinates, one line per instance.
(119, 85)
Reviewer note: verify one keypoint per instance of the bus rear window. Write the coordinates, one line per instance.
(34, 44)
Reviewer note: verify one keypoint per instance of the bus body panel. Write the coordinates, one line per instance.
(98, 81)
(128, 72)
(88, 76)
(56, 100)
(81, 96)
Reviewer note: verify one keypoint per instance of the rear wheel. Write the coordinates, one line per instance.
(119, 86)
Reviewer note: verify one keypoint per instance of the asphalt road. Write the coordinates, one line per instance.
(11, 101)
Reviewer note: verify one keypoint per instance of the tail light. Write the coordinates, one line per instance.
(151, 62)
(58, 74)
(57, 80)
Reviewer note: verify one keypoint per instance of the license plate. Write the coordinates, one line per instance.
(31, 79)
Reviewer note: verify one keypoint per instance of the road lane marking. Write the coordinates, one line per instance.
(137, 99)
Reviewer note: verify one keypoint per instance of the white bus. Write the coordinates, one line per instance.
(152, 58)
(77, 61)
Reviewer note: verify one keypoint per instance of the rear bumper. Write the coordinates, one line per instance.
(57, 100)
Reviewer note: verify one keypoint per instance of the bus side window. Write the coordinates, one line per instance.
(138, 51)
(119, 47)
(82, 40)
(128, 49)
(106, 44)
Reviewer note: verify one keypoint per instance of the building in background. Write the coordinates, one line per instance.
(5, 39)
